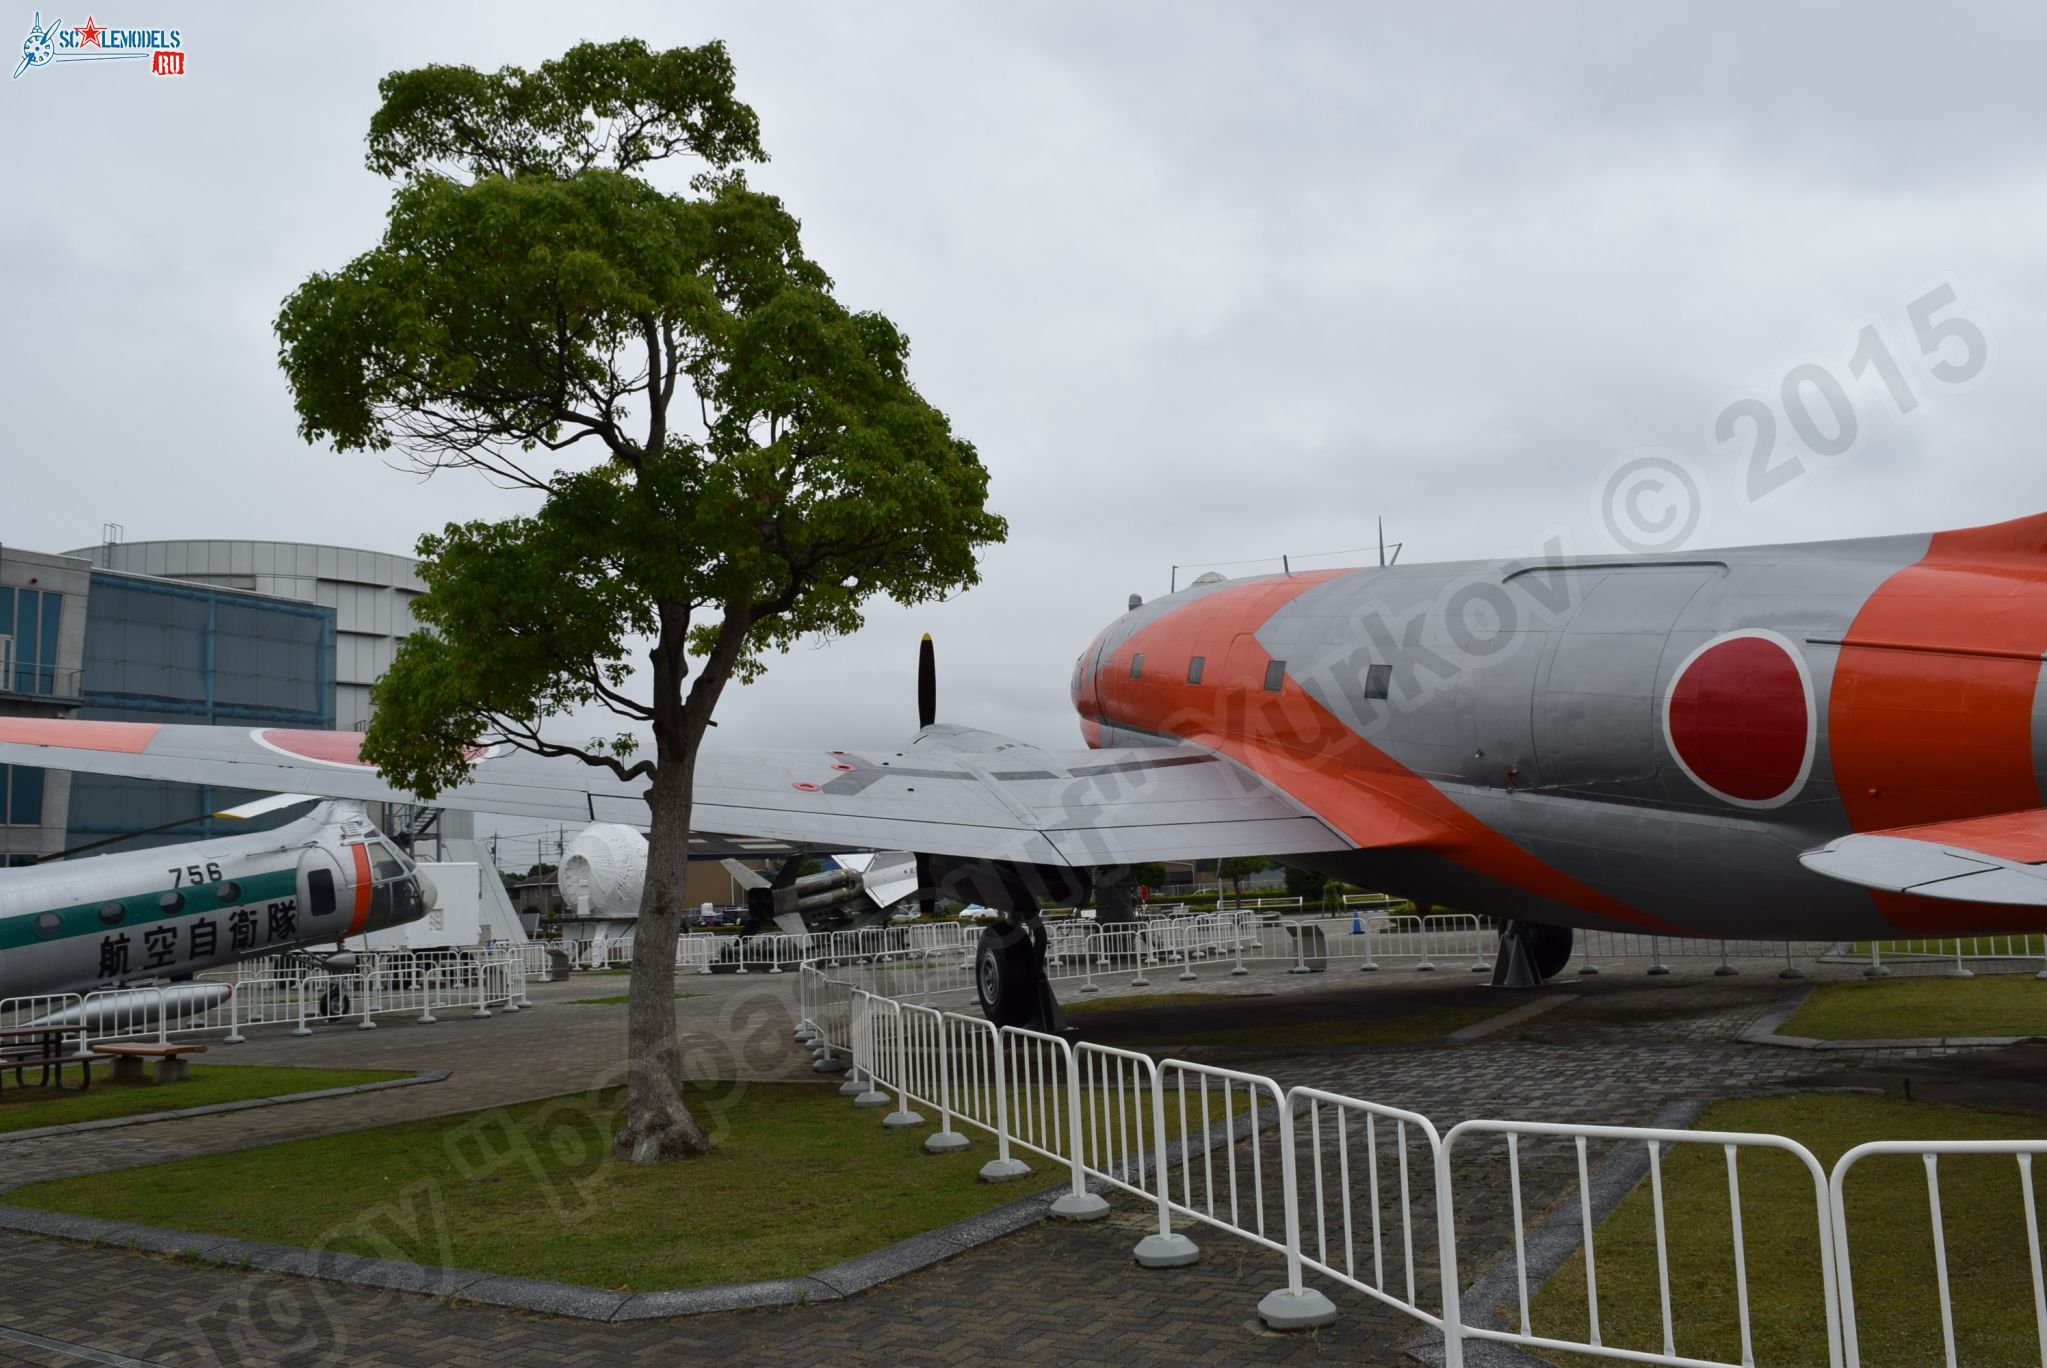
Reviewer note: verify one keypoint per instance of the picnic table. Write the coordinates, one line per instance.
(41, 1047)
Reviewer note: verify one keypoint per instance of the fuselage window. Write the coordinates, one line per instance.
(1137, 666)
(230, 893)
(1194, 669)
(1275, 674)
(1378, 680)
(48, 925)
(113, 913)
(172, 902)
(320, 891)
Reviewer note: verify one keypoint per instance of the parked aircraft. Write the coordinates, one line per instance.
(1830, 740)
(166, 913)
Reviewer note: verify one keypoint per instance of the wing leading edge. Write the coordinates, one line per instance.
(1078, 808)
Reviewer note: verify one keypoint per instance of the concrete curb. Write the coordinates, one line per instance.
(1763, 1031)
(1478, 1030)
(214, 1109)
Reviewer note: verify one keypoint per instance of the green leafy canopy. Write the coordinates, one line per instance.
(724, 457)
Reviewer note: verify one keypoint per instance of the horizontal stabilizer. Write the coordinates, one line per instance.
(1996, 859)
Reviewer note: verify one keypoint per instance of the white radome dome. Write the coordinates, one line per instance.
(607, 865)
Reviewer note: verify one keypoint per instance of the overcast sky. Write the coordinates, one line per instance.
(1202, 282)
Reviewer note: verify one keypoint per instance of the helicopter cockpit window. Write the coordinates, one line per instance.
(385, 862)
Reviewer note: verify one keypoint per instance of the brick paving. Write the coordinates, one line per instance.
(1627, 1047)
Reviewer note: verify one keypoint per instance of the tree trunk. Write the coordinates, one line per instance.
(657, 1122)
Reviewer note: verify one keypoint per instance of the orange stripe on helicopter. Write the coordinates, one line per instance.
(1930, 719)
(362, 890)
(1294, 742)
(119, 738)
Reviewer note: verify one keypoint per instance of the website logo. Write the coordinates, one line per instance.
(55, 44)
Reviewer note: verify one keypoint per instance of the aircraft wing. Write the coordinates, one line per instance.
(1996, 859)
(1080, 808)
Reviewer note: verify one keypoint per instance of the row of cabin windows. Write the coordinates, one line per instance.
(1378, 678)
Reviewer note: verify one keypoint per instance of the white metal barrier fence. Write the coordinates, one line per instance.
(382, 985)
(1366, 1195)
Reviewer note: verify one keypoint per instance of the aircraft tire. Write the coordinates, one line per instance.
(1005, 965)
(1550, 949)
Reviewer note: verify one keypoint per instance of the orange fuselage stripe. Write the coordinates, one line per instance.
(362, 890)
(1922, 734)
(1292, 740)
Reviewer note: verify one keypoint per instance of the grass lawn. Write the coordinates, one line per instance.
(1897, 1304)
(1907, 1008)
(27, 1108)
(619, 1001)
(799, 1180)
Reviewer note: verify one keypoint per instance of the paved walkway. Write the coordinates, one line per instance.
(1625, 1048)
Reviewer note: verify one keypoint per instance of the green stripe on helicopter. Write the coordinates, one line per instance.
(142, 909)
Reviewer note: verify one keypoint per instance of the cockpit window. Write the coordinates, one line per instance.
(1137, 666)
(1275, 675)
(1194, 669)
(385, 862)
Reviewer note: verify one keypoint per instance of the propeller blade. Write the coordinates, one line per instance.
(927, 684)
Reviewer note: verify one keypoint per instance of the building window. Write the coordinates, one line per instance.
(29, 621)
(1378, 680)
(1194, 669)
(1275, 675)
(21, 795)
(1137, 666)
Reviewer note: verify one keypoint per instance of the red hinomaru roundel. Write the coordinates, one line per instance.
(1740, 720)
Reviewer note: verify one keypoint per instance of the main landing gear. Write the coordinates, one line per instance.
(1530, 953)
(1009, 975)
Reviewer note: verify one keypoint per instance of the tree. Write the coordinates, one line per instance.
(1235, 867)
(724, 457)
(1306, 884)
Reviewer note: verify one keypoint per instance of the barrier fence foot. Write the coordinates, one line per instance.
(1876, 971)
(1004, 1170)
(944, 1142)
(873, 1097)
(427, 1018)
(853, 1086)
(1241, 970)
(1302, 1310)
(238, 1038)
(896, 1120)
(825, 1064)
(1187, 975)
(1656, 970)
(1791, 971)
(1724, 971)
(1958, 972)
(365, 1025)
(303, 1031)
(480, 1014)
(1167, 1251)
(1080, 1206)
(1096, 987)
(1369, 967)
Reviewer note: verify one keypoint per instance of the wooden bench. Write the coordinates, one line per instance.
(128, 1056)
(18, 1061)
